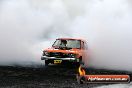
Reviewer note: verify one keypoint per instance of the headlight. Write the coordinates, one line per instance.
(45, 53)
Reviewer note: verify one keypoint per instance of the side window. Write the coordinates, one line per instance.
(82, 45)
(86, 46)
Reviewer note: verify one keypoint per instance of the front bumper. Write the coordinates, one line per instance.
(55, 58)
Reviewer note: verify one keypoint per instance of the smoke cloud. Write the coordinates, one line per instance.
(26, 30)
(29, 26)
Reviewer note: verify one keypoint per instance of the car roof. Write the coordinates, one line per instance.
(71, 39)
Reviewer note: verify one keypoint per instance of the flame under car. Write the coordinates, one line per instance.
(66, 50)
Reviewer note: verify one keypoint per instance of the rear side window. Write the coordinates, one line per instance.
(86, 46)
(82, 45)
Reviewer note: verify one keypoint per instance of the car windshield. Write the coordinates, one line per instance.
(71, 43)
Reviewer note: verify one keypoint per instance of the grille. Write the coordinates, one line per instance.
(58, 54)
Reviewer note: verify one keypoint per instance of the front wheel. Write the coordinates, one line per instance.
(46, 63)
(80, 62)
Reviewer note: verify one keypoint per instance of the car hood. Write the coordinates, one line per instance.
(75, 51)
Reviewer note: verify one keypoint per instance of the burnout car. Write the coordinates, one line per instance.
(66, 50)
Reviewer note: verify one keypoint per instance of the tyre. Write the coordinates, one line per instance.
(79, 63)
(46, 63)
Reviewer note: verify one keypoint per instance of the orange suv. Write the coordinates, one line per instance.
(65, 50)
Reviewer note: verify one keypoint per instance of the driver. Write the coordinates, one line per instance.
(63, 43)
